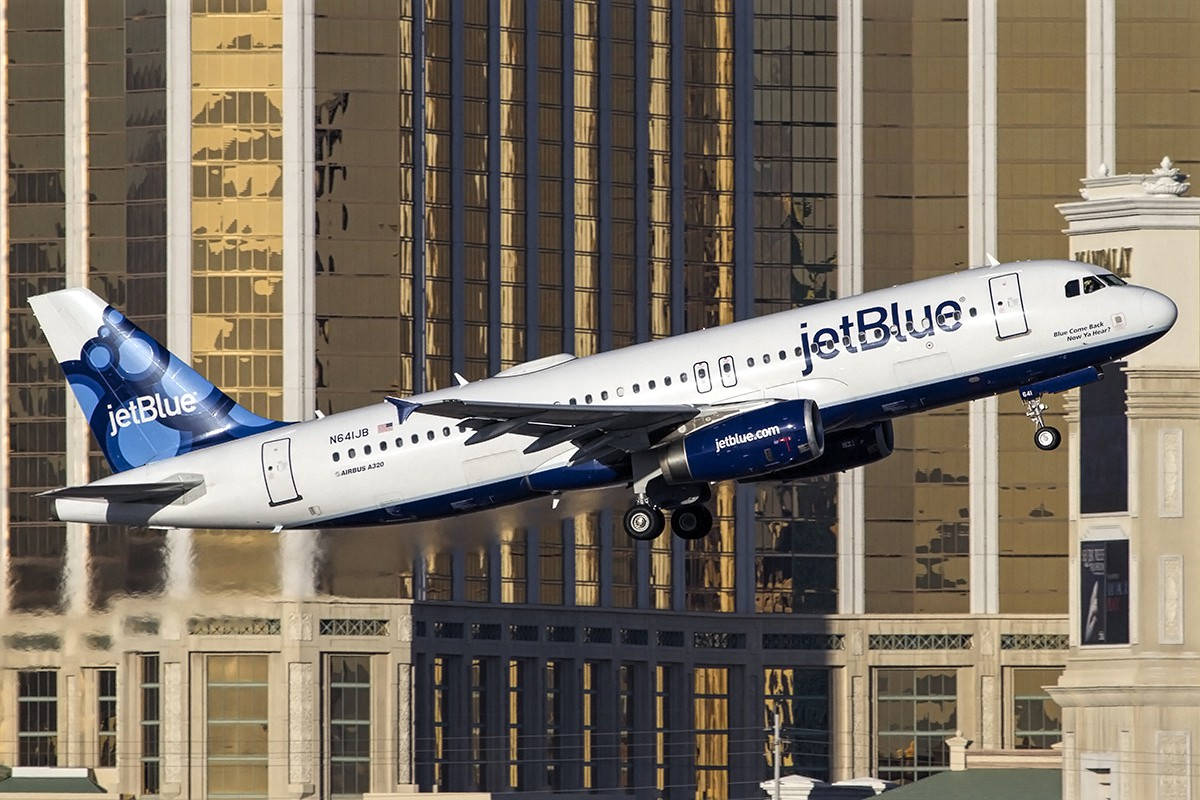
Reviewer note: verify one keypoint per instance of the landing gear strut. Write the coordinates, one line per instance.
(1045, 436)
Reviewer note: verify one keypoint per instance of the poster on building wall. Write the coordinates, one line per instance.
(1104, 592)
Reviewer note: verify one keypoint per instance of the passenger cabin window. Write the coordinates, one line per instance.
(1092, 284)
(1072, 288)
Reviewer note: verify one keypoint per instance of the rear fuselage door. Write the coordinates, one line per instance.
(703, 376)
(277, 471)
(1008, 306)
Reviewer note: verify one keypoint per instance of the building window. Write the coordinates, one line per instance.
(801, 697)
(349, 725)
(480, 755)
(710, 703)
(587, 559)
(516, 720)
(106, 716)
(553, 709)
(237, 691)
(1036, 719)
(663, 722)
(476, 580)
(625, 725)
(624, 567)
(1103, 444)
(151, 717)
(660, 572)
(440, 722)
(550, 565)
(439, 574)
(1104, 592)
(512, 565)
(916, 711)
(37, 712)
(795, 551)
(589, 697)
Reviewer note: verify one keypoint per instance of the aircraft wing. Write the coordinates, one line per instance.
(596, 430)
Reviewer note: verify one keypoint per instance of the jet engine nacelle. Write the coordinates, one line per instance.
(757, 442)
(844, 450)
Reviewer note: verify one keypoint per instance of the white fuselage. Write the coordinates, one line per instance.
(352, 467)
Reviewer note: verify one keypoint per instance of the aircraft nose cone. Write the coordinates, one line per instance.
(1158, 310)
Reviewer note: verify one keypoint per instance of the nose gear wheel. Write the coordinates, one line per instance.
(1045, 437)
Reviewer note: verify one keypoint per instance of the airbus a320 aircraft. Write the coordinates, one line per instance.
(794, 394)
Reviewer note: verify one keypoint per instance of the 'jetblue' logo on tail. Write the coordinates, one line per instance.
(148, 408)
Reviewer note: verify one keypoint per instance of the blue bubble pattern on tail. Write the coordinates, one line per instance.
(144, 404)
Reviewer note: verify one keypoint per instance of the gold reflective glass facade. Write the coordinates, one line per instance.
(237, 200)
(474, 160)
(36, 223)
(710, 567)
(622, 138)
(513, 192)
(548, 146)
(795, 263)
(1158, 111)
(915, 226)
(659, 141)
(708, 163)
(127, 232)
(587, 559)
(512, 565)
(364, 202)
(587, 178)
(438, 227)
(1040, 142)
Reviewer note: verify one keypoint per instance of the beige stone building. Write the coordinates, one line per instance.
(1131, 690)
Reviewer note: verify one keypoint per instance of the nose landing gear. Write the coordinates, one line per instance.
(1046, 437)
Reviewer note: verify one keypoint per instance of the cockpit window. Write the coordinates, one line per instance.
(1112, 280)
(1072, 288)
(1092, 284)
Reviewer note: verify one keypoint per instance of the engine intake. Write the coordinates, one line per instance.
(757, 442)
(844, 450)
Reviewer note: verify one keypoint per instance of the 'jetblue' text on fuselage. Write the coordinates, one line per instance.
(878, 326)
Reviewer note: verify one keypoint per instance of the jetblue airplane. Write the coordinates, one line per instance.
(794, 394)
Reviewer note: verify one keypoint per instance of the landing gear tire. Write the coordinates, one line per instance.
(1047, 438)
(1044, 436)
(644, 523)
(692, 521)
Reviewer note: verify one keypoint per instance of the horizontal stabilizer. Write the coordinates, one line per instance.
(160, 493)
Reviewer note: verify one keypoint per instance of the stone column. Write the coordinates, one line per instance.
(1132, 704)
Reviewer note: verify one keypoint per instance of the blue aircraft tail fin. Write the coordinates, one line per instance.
(142, 402)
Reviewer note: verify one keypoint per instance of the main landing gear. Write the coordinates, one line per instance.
(690, 519)
(1045, 437)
